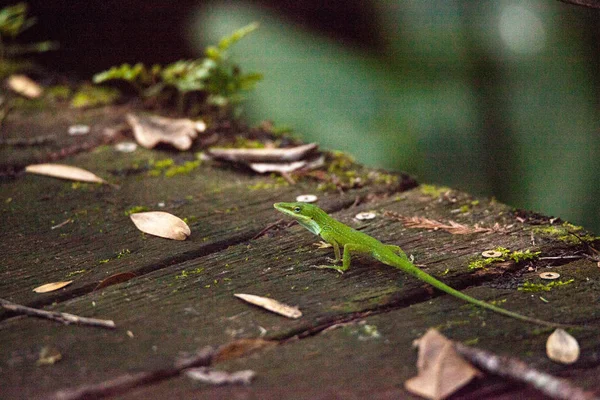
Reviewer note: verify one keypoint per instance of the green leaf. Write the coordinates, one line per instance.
(226, 42)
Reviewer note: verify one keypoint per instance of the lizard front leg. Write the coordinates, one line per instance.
(348, 248)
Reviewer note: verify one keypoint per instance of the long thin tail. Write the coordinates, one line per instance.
(407, 266)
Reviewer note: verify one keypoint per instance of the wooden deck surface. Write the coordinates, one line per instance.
(354, 340)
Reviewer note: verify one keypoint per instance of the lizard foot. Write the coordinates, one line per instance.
(334, 267)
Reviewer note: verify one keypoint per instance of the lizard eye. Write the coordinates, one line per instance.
(297, 209)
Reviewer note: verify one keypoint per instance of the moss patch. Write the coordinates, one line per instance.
(506, 254)
(433, 190)
(94, 96)
(543, 287)
(567, 233)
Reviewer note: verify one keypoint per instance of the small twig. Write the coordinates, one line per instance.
(64, 318)
(267, 228)
(68, 220)
(512, 368)
(123, 383)
(560, 258)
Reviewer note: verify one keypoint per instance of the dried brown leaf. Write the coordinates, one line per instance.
(562, 347)
(50, 287)
(160, 223)
(271, 305)
(263, 155)
(152, 130)
(64, 172)
(115, 278)
(216, 377)
(24, 86)
(451, 227)
(442, 371)
(240, 348)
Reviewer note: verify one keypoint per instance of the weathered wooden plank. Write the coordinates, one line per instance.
(223, 206)
(180, 311)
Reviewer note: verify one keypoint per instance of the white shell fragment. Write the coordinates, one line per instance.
(24, 86)
(162, 224)
(77, 130)
(152, 130)
(64, 172)
(491, 254)
(365, 215)
(271, 305)
(126, 147)
(550, 275)
(50, 287)
(306, 198)
(562, 347)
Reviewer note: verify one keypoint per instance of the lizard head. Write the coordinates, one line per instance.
(306, 214)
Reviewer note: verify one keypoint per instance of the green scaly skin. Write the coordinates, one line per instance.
(339, 235)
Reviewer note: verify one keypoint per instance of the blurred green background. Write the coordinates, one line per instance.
(494, 97)
(497, 98)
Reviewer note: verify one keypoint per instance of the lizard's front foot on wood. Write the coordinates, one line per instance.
(334, 267)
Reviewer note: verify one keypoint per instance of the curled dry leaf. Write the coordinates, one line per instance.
(263, 155)
(442, 371)
(216, 377)
(64, 172)
(24, 86)
(160, 223)
(562, 347)
(50, 287)
(152, 130)
(114, 279)
(271, 305)
(263, 168)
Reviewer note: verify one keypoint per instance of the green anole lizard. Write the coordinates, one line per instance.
(339, 235)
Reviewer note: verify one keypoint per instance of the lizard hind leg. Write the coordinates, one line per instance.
(397, 250)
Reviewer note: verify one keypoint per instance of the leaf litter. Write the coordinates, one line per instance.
(51, 287)
(271, 305)
(162, 224)
(62, 171)
(562, 347)
(441, 370)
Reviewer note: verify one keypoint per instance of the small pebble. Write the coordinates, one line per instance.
(76, 130)
(361, 216)
(306, 198)
(126, 147)
(549, 275)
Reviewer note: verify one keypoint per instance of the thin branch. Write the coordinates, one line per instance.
(267, 228)
(512, 368)
(64, 318)
(126, 382)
